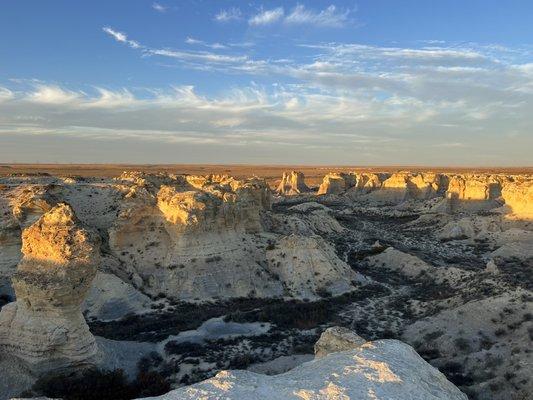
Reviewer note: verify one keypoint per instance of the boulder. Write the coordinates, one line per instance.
(337, 339)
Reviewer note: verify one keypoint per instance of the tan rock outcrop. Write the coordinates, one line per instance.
(336, 183)
(292, 183)
(32, 201)
(518, 196)
(474, 187)
(335, 339)
(367, 182)
(45, 329)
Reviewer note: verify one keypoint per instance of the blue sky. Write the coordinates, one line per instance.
(314, 82)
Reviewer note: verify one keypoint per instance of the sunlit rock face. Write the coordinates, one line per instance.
(383, 369)
(474, 187)
(518, 196)
(336, 183)
(33, 201)
(292, 183)
(367, 182)
(44, 328)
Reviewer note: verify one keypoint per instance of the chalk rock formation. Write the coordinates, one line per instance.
(196, 239)
(32, 201)
(384, 369)
(309, 266)
(366, 182)
(337, 339)
(474, 188)
(45, 328)
(518, 195)
(403, 186)
(336, 183)
(292, 183)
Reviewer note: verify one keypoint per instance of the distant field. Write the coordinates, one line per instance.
(272, 173)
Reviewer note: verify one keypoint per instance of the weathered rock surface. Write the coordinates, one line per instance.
(292, 183)
(308, 267)
(45, 329)
(384, 369)
(518, 197)
(337, 339)
(336, 183)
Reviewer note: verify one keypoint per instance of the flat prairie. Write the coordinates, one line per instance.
(272, 173)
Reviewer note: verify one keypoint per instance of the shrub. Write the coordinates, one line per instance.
(189, 349)
(94, 384)
(88, 385)
(462, 344)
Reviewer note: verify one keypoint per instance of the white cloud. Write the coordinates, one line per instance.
(382, 101)
(329, 17)
(267, 17)
(182, 55)
(5, 94)
(159, 8)
(121, 37)
(214, 46)
(112, 99)
(231, 14)
(53, 95)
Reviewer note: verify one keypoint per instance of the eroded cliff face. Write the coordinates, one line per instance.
(45, 329)
(195, 239)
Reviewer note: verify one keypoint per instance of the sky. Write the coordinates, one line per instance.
(374, 82)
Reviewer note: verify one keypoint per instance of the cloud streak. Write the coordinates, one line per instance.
(267, 17)
(231, 14)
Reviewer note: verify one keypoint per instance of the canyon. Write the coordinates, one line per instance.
(219, 286)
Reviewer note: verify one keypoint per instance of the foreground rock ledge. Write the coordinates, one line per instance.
(384, 369)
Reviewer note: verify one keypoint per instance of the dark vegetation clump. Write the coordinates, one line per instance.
(94, 384)
(188, 349)
(304, 315)
(4, 299)
(455, 374)
(298, 314)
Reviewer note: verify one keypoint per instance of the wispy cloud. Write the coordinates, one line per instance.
(271, 119)
(267, 17)
(121, 37)
(196, 56)
(231, 14)
(329, 17)
(214, 46)
(159, 8)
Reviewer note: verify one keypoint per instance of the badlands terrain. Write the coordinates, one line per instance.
(186, 282)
